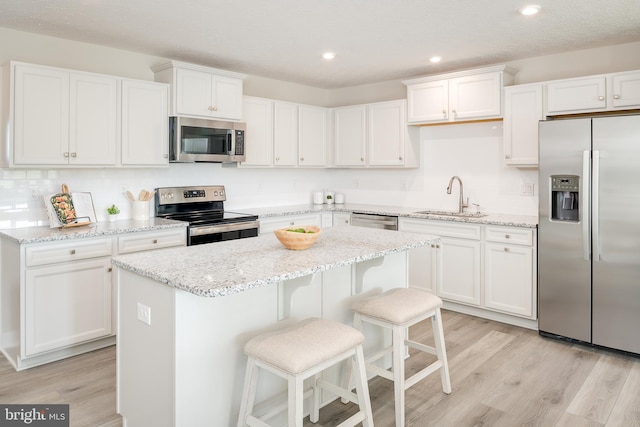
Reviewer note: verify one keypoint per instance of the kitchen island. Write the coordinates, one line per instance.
(184, 314)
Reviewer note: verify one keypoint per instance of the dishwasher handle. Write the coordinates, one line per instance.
(374, 221)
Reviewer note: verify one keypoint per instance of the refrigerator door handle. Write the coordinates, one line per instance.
(595, 200)
(586, 242)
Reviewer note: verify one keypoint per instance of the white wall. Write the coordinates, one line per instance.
(472, 151)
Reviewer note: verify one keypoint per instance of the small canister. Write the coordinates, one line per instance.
(318, 198)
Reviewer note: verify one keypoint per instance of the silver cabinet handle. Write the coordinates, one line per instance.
(155, 241)
(506, 249)
(400, 158)
(362, 159)
(72, 251)
(302, 159)
(616, 96)
(74, 154)
(507, 236)
(212, 108)
(109, 270)
(66, 154)
(601, 98)
(507, 156)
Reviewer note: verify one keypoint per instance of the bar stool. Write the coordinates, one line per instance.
(302, 351)
(397, 309)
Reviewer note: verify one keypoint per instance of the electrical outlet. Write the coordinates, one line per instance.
(527, 189)
(144, 314)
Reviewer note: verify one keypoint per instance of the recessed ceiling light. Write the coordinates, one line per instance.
(328, 56)
(529, 10)
(435, 59)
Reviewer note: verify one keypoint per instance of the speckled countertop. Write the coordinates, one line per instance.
(45, 234)
(225, 268)
(510, 220)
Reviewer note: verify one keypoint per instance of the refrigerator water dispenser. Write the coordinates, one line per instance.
(565, 196)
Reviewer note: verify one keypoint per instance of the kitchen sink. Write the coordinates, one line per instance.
(451, 213)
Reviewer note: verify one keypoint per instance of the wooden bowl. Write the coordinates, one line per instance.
(297, 240)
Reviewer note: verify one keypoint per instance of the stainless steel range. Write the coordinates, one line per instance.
(203, 208)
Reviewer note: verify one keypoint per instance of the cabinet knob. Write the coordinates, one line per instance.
(292, 223)
(454, 112)
(66, 154)
(346, 221)
(109, 270)
(601, 98)
(278, 159)
(212, 108)
(72, 251)
(399, 158)
(437, 246)
(74, 154)
(506, 249)
(302, 159)
(507, 236)
(362, 159)
(155, 241)
(616, 96)
(444, 112)
(507, 156)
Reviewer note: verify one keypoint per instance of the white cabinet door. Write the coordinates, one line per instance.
(204, 94)
(386, 136)
(458, 270)
(66, 304)
(523, 111)
(93, 109)
(194, 93)
(341, 219)
(41, 116)
(227, 98)
(350, 135)
(428, 102)
(285, 134)
(313, 135)
(145, 112)
(258, 116)
(509, 279)
(576, 95)
(625, 90)
(477, 96)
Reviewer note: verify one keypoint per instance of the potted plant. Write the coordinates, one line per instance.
(113, 212)
(329, 197)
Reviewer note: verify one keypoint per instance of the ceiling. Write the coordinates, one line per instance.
(374, 40)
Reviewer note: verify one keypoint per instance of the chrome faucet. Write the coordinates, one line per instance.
(461, 203)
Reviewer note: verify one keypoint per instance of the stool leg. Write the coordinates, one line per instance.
(398, 372)
(348, 372)
(362, 388)
(296, 400)
(314, 405)
(438, 334)
(249, 392)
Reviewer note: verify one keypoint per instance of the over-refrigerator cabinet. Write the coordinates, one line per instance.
(589, 230)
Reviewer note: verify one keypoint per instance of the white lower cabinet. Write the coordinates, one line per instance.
(483, 266)
(57, 297)
(268, 225)
(341, 218)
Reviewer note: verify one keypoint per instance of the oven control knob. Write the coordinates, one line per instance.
(221, 193)
(215, 193)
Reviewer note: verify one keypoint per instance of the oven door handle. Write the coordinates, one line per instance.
(221, 228)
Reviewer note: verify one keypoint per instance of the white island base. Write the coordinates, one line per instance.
(186, 366)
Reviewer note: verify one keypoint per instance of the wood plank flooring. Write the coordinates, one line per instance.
(501, 376)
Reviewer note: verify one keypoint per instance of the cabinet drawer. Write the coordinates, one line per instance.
(145, 241)
(49, 253)
(441, 228)
(516, 236)
(267, 225)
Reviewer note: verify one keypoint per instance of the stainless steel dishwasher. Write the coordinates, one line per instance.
(385, 222)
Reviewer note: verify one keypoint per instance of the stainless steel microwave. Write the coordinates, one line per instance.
(202, 140)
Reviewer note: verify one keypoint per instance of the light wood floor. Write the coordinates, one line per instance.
(501, 376)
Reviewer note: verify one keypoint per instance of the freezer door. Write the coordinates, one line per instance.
(616, 267)
(564, 268)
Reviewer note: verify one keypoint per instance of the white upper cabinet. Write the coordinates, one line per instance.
(606, 92)
(350, 135)
(63, 118)
(522, 113)
(313, 135)
(465, 95)
(201, 91)
(285, 134)
(258, 116)
(145, 113)
(374, 135)
(67, 118)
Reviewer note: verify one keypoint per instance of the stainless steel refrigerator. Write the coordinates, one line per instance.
(589, 230)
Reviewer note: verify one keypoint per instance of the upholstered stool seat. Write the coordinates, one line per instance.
(398, 309)
(299, 352)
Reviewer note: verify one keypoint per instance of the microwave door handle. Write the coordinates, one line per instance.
(229, 142)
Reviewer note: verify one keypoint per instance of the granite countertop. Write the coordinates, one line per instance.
(233, 266)
(46, 234)
(511, 220)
